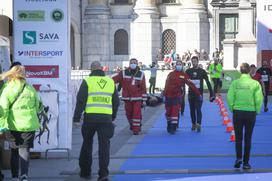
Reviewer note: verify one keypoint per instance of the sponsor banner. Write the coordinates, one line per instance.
(264, 33)
(47, 136)
(30, 15)
(42, 71)
(42, 44)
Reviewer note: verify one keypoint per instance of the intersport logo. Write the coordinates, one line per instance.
(42, 71)
(40, 54)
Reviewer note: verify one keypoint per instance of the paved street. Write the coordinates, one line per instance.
(156, 155)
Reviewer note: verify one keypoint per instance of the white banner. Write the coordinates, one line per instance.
(264, 25)
(42, 44)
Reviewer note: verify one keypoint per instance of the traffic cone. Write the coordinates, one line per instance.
(225, 114)
(229, 127)
(232, 136)
(226, 120)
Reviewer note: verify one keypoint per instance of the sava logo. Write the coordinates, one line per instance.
(42, 71)
(30, 37)
(48, 37)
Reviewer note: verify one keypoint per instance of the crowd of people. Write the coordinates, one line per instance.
(98, 99)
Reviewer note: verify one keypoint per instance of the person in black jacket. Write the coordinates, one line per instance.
(99, 100)
(197, 75)
(266, 74)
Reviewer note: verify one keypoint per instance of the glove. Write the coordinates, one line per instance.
(212, 98)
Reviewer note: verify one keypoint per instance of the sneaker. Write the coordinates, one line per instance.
(246, 166)
(193, 127)
(198, 127)
(237, 163)
(106, 178)
(265, 109)
(15, 179)
(24, 177)
(85, 176)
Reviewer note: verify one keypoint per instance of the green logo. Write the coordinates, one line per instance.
(29, 37)
(30, 16)
(57, 15)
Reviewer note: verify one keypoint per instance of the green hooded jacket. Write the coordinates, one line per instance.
(245, 94)
(23, 114)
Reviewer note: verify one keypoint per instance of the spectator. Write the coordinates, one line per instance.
(20, 105)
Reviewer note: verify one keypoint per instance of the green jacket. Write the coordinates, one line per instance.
(215, 71)
(23, 114)
(245, 94)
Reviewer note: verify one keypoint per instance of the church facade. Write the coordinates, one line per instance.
(113, 31)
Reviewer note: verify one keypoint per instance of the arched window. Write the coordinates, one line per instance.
(121, 42)
(121, 2)
(168, 41)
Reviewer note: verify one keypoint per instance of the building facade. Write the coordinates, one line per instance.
(113, 31)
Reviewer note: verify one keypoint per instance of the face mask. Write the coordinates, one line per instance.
(133, 66)
(179, 67)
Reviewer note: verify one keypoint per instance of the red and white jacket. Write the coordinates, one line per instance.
(133, 84)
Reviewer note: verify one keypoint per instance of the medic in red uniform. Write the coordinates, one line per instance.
(172, 92)
(133, 83)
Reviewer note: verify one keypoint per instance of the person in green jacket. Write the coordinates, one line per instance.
(215, 71)
(19, 103)
(244, 100)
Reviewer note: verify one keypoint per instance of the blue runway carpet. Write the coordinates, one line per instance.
(209, 150)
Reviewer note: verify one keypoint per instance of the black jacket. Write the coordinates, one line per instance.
(82, 96)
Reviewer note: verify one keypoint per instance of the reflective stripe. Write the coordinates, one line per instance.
(174, 117)
(144, 95)
(136, 120)
(136, 124)
(132, 98)
(174, 122)
(99, 105)
(100, 93)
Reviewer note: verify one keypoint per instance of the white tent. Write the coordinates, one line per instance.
(4, 54)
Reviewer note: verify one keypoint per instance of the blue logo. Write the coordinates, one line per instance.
(29, 37)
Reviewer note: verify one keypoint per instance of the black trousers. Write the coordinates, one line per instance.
(266, 85)
(104, 132)
(152, 86)
(243, 120)
(217, 84)
(195, 109)
(182, 106)
(20, 143)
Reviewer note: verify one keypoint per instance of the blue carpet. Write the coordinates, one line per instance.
(213, 140)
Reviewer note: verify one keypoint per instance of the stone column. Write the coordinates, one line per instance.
(193, 26)
(145, 31)
(245, 21)
(245, 38)
(96, 46)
